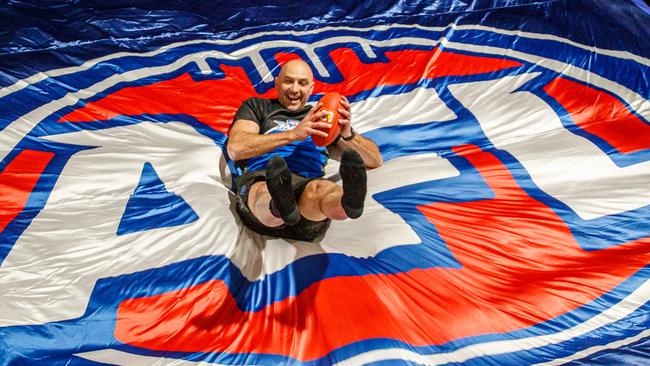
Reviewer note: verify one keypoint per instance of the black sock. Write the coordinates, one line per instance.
(274, 209)
(353, 174)
(278, 180)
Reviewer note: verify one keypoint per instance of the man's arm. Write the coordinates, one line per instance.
(364, 146)
(245, 141)
(367, 148)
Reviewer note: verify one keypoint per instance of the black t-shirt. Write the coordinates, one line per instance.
(303, 157)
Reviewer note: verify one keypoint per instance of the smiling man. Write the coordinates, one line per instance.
(278, 168)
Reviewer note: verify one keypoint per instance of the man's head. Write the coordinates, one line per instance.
(294, 84)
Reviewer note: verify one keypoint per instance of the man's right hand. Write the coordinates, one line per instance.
(312, 124)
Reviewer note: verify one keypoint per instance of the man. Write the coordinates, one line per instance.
(280, 191)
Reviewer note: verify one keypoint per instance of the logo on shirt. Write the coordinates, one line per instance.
(286, 125)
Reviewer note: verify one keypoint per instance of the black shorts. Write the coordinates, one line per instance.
(305, 230)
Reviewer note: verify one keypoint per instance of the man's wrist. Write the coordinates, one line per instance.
(292, 136)
(352, 134)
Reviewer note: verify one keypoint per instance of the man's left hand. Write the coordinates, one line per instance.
(345, 117)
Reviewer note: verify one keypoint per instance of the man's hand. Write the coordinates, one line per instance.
(310, 125)
(345, 117)
(368, 150)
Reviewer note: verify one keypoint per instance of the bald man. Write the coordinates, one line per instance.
(278, 169)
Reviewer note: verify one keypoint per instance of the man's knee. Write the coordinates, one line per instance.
(258, 203)
(322, 197)
(318, 189)
(256, 191)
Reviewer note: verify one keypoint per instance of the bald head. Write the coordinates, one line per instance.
(296, 67)
(294, 85)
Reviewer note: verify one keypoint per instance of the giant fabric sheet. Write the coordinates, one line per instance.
(509, 224)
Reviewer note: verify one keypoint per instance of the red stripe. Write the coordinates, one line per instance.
(520, 266)
(601, 114)
(405, 67)
(214, 102)
(17, 181)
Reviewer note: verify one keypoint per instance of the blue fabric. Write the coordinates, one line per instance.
(152, 206)
(448, 197)
(98, 28)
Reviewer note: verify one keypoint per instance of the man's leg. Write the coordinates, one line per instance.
(259, 200)
(323, 199)
(320, 200)
(278, 181)
(273, 204)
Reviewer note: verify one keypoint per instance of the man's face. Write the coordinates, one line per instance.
(294, 85)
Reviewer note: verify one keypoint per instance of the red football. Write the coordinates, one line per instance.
(330, 105)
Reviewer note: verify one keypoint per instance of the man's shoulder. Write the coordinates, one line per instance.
(254, 109)
(260, 106)
(258, 101)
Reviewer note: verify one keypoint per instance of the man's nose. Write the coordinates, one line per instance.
(294, 88)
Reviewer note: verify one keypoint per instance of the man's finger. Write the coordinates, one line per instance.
(345, 113)
(319, 116)
(318, 133)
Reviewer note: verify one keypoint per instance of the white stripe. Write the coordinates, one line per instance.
(566, 166)
(617, 312)
(17, 130)
(33, 79)
(596, 349)
(114, 357)
(636, 101)
(549, 37)
(318, 64)
(420, 105)
(40, 76)
(203, 66)
(23, 83)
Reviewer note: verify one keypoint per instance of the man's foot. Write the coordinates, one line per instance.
(278, 180)
(353, 174)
